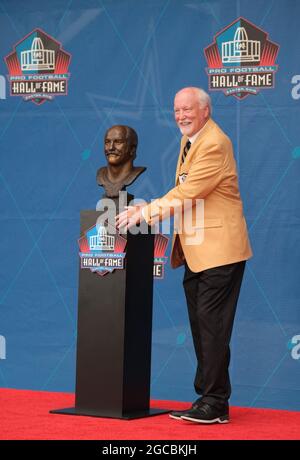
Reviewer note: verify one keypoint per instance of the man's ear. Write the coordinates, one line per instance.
(206, 112)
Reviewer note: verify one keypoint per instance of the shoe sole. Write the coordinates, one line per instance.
(197, 420)
(175, 417)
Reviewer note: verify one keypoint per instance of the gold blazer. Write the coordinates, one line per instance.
(208, 173)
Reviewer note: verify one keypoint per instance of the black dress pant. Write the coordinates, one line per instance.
(212, 297)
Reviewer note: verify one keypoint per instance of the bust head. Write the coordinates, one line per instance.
(120, 144)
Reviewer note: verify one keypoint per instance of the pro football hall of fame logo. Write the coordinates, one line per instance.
(38, 68)
(102, 250)
(241, 60)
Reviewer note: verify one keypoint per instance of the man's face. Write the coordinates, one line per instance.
(190, 116)
(117, 148)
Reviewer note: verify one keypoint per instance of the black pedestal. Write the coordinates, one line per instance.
(114, 334)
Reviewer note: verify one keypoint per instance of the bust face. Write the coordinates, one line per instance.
(118, 149)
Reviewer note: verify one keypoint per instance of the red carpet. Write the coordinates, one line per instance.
(25, 415)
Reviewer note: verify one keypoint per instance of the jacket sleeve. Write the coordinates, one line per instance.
(205, 173)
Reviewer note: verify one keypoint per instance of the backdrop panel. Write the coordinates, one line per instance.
(129, 57)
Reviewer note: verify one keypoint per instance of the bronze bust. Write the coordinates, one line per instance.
(120, 145)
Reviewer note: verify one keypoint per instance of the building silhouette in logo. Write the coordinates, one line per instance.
(241, 49)
(102, 241)
(38, 58)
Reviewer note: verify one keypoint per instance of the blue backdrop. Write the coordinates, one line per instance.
(129, 57)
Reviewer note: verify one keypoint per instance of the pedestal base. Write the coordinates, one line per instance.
(131, 416)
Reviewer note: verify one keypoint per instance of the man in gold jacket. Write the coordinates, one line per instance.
(214, 246)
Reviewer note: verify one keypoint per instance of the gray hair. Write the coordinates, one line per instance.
(202, 96)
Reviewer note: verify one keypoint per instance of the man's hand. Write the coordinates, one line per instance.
(130, 217)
